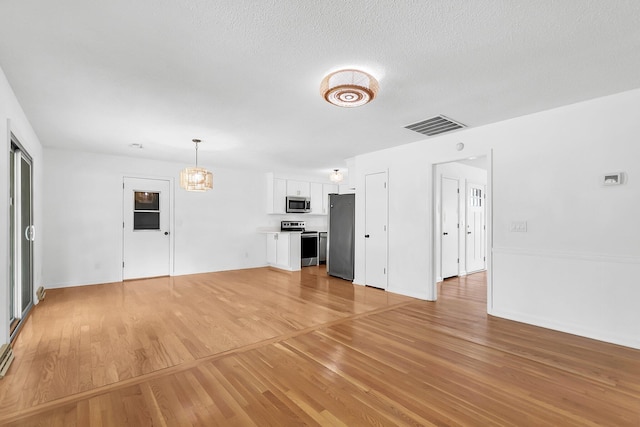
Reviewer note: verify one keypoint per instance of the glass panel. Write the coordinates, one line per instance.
(309, 247)
(146, 220)
(25, 224)
(296, 204)
(12, 239)
(145, 201)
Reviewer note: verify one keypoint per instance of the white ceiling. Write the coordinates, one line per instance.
(244, 76)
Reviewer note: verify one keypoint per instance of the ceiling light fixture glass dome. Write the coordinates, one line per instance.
(336, 176)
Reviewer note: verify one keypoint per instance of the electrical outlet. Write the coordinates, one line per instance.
(518, 227)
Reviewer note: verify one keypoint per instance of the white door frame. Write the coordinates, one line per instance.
(171, 220)
(488, 221)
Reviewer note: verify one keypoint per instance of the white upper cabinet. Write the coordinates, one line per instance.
(317, 206)
(298, 188)
(279, 188)
(276, 194)
(326, 190)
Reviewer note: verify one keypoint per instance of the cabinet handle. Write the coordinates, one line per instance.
(366, 236)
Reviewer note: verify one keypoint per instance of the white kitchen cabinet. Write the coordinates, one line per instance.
(326, 190)
(298, 188)
(317, 207)
(283, 250)
(276, 194)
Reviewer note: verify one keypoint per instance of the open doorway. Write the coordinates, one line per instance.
(461, 221)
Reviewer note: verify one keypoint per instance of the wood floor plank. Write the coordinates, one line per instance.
(265, 347)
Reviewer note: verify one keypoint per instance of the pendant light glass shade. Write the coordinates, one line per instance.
(195, 178)
(336, 176)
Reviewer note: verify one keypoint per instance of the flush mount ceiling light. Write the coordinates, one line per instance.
(196, 179)
(336, 176)
(349, 88)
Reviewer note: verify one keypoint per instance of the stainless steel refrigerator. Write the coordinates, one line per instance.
(341, 235)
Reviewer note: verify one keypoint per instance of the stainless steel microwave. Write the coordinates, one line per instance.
(297, 204)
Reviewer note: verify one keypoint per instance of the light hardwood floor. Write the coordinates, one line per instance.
(265, 347)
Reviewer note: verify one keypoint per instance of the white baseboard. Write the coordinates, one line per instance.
(627, 341)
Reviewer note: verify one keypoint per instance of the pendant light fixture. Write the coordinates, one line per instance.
(349, 88)
(336, 176)
(196, 179)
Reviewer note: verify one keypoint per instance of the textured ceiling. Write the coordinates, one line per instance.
(244, 76)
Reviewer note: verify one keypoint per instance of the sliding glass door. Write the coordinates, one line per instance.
(22, 234)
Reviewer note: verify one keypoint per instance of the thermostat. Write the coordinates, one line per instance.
(612, 178)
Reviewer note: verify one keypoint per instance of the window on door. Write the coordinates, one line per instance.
(146, 210)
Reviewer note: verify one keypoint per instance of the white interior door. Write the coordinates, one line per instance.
(376, 217)
(475, 237)
(449, 227)
(146, 222)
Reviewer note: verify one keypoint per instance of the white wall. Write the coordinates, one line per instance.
(13, 119)
(575, 269)
(214, 231)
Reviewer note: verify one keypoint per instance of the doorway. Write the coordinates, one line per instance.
(21, 235)
(474, 241)
(375, 225)
(146, 228)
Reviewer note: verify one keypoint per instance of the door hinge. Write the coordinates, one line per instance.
(122, 224)
(458, 260)
(484, 258)
(123, 185)
(458, 190)
(385, 185)
(122, 264)
(384, 271)
(385, 228)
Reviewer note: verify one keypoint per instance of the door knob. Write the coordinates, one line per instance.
(166, 233)
(366, 236)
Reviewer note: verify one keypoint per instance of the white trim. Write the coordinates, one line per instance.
(411, 293)
(574, 329)
(581, 256)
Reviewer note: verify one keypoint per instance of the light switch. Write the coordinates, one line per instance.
(518, 227)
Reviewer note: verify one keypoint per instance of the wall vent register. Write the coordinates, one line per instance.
(435, 126)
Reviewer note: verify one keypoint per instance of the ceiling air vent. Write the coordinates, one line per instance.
(435, 126)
